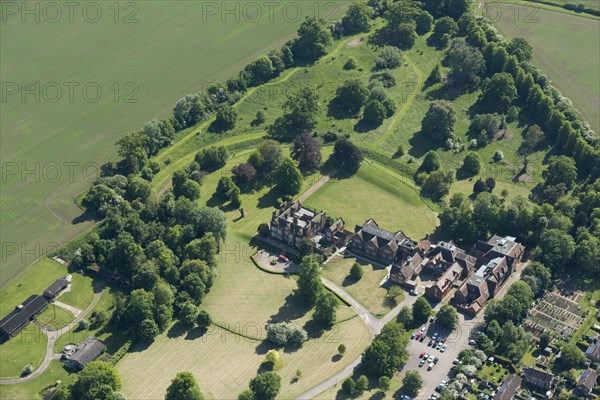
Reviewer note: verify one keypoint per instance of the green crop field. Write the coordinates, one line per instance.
(124, 68)
(565, 47)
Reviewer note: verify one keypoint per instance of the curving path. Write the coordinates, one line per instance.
(53, 335)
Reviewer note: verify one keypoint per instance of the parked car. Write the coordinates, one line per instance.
(418, 336)
(422, 339)
(423, 328)
(413, 292)
(431, 341)
(422, 354)
(430, 359)
(444, 347)
(438, 346)
(283, 258)
(413, 335)
(456, 361)
(472, 342)
(421, 362)
(430, 367)
(435, 360)
(443, 340)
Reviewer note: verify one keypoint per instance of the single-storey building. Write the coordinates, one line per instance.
(86, 352)
(58, 286)
(18, 318)
(509, 387)
(586, 382)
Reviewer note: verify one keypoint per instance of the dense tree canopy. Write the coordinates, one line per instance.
(313, 39)
(467, 64)
(265, 386)
(347, 156)
(97, 377)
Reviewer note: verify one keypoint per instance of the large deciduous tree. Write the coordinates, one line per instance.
(439, 121)
(184, 387)
(307, 151)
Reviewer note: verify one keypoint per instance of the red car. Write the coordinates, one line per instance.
(418, 335)
(422, 354)
(283, 258)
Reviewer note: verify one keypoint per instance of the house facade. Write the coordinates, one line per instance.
(378, 244)
(294, 223)
(496, 260)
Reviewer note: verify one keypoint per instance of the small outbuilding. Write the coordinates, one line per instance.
(86, 352)
(58, 286)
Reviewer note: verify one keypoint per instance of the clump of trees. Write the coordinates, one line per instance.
(439, 121)
(387, 352)
(282, 333)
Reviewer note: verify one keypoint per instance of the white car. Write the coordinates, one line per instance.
(443, 348)
(422, 329)
(430, 359)
(413, 292)
(430, 367)
(472, 342)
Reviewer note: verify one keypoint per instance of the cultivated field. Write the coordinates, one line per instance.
(143, 59)
(565, 48)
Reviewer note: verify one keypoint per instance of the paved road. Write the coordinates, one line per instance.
(457, 341)
(53, 336)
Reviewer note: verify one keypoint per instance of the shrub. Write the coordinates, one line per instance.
(389, 57)
(350, 64)
(284, 332)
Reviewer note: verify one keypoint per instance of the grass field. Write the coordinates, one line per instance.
(565, 47)
(160, 50)
(32, 281)
(81, 293)
(373, 193)
(514, 189)
(593, 4)
(366, 290)
(28, 347)
(244, 299)
(29, 390)
(55, 317)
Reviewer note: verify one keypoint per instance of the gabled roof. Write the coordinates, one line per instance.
(588, 379)
(34, 304)
(88, 351)
(593, 350)
(509, 386)
(56, 287)
(537, 375)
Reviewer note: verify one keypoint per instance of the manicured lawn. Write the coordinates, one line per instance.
(565, 47)
(33, 280)
(55, 317)
(29, 390)
(514, 189)
(531, 356)
(376, 193)
(243, 298)
(28, 347)
(367, 290)
(81, 293)
(493, 374)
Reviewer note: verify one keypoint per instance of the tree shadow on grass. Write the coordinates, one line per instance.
(215, 201)
(420, 144)
(293, 308)
(336, 111)
(177, 330)
(85, 217)
(264, 347)
(195, 333)
(363, 127)
(315, 329)
(349, 280)
(269, 199)
(336, 358)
